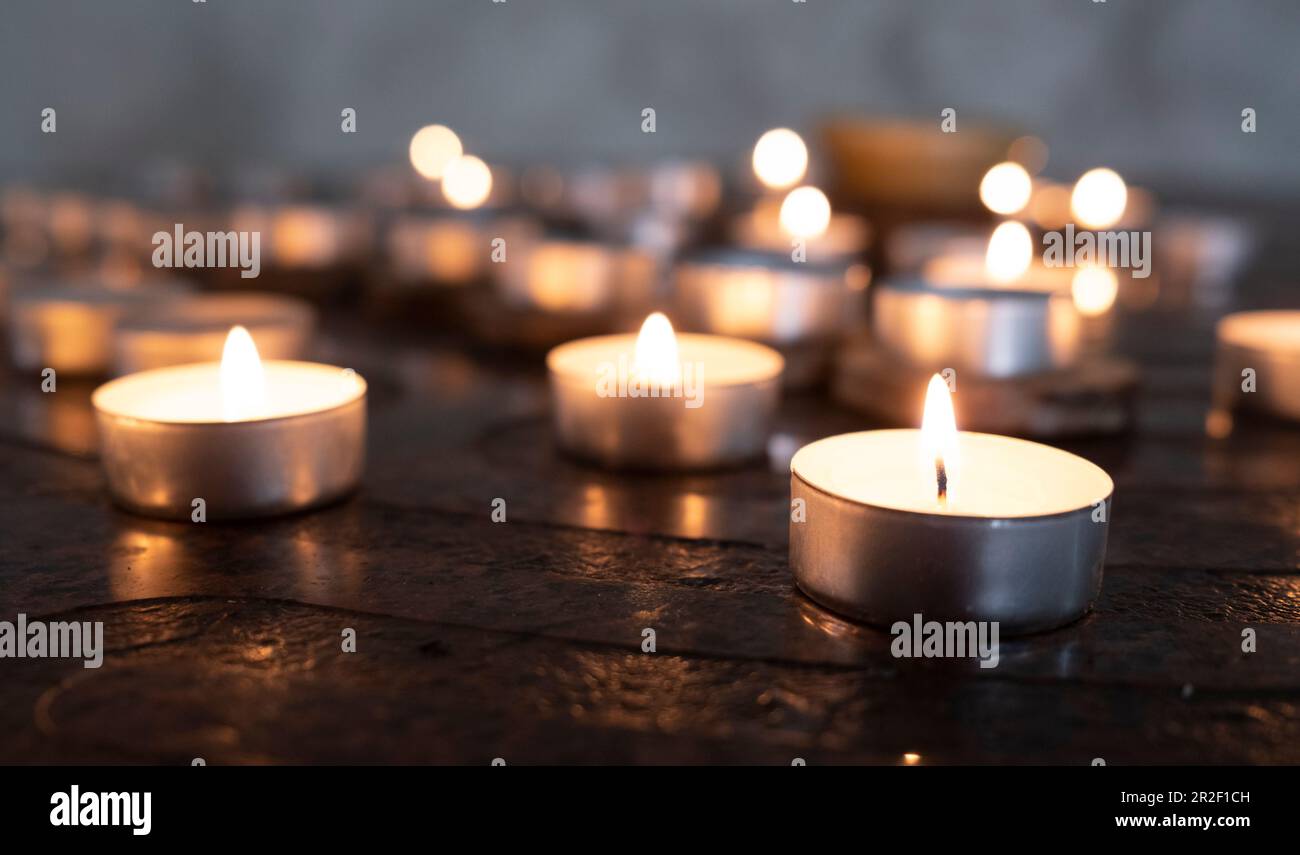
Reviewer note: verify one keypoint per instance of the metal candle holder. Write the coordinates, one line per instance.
(991, 332)
(731, 426)
(70, 328)
(802, 309)
(880, 565)
(241, 469)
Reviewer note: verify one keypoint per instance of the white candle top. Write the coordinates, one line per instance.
(193, 394)
(1277, 330)
(989, 476)
(725, 361)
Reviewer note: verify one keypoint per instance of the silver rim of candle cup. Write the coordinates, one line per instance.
(880, 565)
(988, 332)
(241, 470)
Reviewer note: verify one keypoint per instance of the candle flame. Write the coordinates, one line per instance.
(806, 212)
(780, 158)
(466, 182)
(243, 381)
(432, 148)
(1005, 188)
(655, 358)
(1010, 252)
(1099, 198)
(939, 437)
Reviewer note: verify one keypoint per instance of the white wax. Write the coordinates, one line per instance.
(1274, 331)
(726, 361)
(191, 394)
(992, 477)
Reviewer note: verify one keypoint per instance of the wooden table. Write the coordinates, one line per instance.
(522, 640)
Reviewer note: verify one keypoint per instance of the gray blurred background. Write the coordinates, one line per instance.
(1154, 88)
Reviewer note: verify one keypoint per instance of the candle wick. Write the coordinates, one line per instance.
(941, 477)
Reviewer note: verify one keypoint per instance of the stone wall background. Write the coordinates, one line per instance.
(1152, 87)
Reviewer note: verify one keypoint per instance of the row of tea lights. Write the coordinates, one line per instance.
(888, 522)
(892, 522)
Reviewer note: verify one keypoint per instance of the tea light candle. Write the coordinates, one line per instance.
(70, 327)
(989, 332)
(803, 215)
(950, 525)
(248, 438)
(802, 309)
(304, 236)
(559, 274)
(659, 400)
(449, 248)
(1257, 363)
(996, 316)
(194, 329)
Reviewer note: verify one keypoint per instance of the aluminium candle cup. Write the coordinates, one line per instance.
(160, 452)
(990, 332)
(730, 427)
(801, 309)
(1268, 343)
(448, 248)
(70, 328)
(556, 288)
(574, 276)
(879, 564)
(194, 330)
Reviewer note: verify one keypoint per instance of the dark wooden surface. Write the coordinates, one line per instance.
(522, 640)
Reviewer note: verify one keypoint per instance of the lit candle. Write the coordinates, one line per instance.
(194, 329)
(950, 525)
(1257, 366)
(564, 274)
(999, 315)
(238, 438)
(802, 309)
(802, 224)
(659, 400)
(71, 327)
